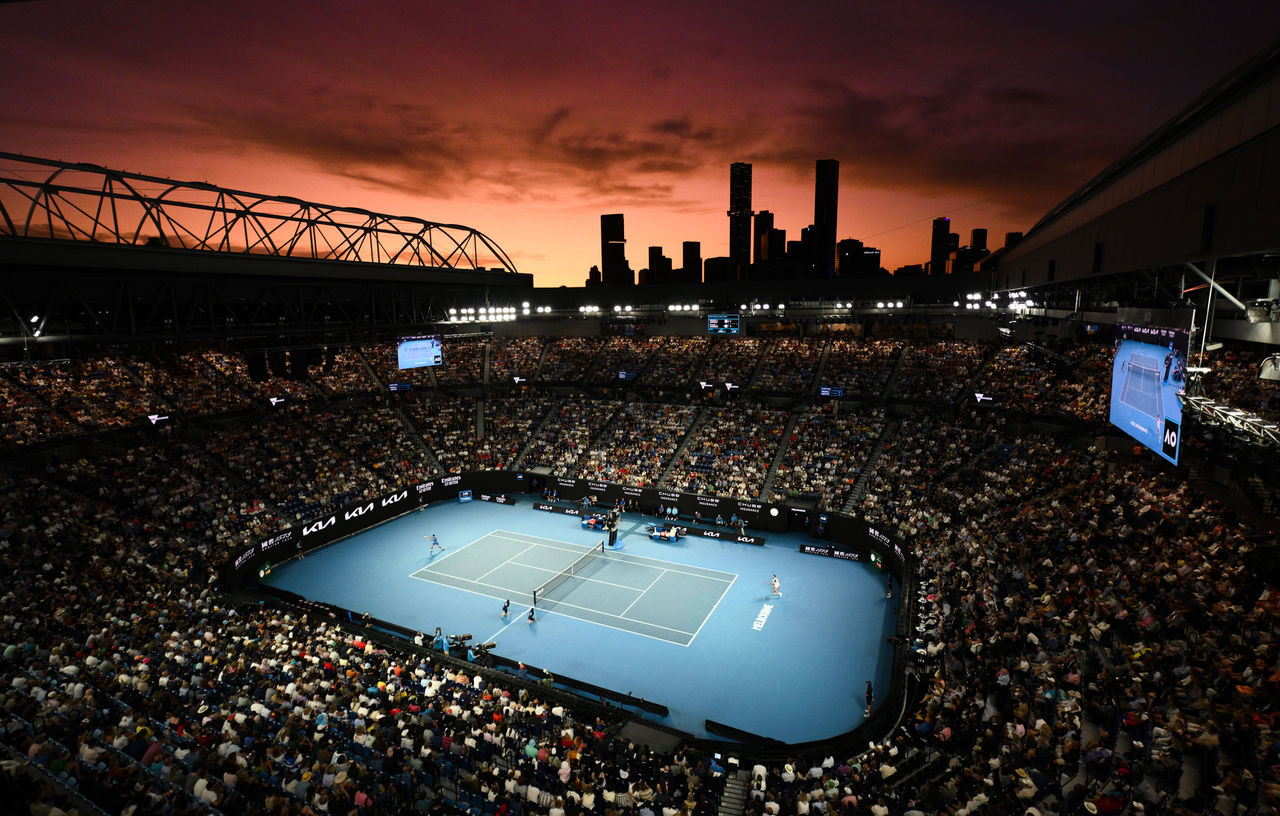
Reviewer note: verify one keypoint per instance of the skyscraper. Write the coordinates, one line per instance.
(826, 196)
(760, 244)
(659, 266)
(940, 246)
(692, 258)
(614, 270)
(740, 217)
(979, 240)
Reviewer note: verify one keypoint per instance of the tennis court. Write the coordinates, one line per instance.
(645, 596)
(1141, 390)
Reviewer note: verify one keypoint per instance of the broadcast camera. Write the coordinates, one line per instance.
(456, 641)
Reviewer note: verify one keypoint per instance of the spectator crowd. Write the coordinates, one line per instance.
(1095, 633)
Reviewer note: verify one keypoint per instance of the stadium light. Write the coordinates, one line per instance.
(766, 306)
(743, 307)
(524, 305)
(880, 304)
(35, 318)
(955, 303)
(626, 308)
(899, 304)
(694, 307)
(617, 308)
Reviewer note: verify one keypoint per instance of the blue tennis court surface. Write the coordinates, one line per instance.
(645, 596)
(693, 624)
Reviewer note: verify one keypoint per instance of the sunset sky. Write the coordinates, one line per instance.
(528, 120)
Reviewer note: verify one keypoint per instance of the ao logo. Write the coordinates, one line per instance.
(1169, 439)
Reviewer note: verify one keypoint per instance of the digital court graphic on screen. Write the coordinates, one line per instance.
(418, 352)
(1147, 374)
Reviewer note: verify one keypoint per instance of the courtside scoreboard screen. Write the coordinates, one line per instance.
(1147, 374)
(831, 390)
(724, 323)
(419, 352)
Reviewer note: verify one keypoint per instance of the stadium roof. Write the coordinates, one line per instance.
(1210, 103)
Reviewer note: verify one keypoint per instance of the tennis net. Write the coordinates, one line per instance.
(540, 595)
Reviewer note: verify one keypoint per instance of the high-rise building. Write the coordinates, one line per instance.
(777, 245)
(940, 246)
(614, 270)
(826, 195)
(979, 241)
(691, 256)
(740, 217)
(856, 259)
(760, 244)
(659, 266)
(718, 270)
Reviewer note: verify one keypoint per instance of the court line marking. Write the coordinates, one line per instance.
(584, 578)
(636, 560)
(494, 636)
(656, 626)
(508, 590)
(712, 611)
(656, 579)
(558, 604)
(508, 561)
(451, 554)
(640, 560)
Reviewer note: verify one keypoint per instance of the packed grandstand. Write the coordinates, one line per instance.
(1093, 633)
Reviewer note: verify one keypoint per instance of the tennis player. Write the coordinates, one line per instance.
(777, 587)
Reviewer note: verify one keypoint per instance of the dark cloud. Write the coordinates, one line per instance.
(413, 148)
(1018, 144)
(684, 128)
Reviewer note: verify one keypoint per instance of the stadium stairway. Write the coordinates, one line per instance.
(812, 390)
(783, 447)
(369, 369)
(537, 369)
(759, 364)
(417, 438)
(860, 487)
(533, 434)
(684, 443)
(733, 802)
(893, 373)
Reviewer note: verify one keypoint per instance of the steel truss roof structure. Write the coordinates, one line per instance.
(1242, 424)
(49, 199)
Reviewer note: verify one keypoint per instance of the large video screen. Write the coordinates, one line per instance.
(1147, 373)
(417, 352)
